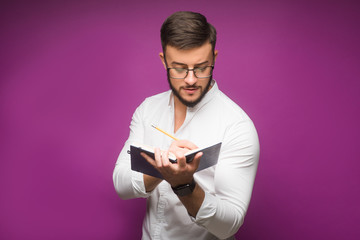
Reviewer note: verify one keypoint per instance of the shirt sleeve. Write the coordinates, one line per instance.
(130, 184)
(223, 213)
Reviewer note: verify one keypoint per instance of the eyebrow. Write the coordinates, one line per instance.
(185, 65)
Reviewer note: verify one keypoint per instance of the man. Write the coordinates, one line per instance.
(211, 203)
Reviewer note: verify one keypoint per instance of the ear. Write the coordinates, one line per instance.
(215, 54)
(162, 57)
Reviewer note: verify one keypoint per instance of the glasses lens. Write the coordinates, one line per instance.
(177, 72)
(203, 72)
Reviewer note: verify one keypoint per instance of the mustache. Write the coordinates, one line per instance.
(191, 87)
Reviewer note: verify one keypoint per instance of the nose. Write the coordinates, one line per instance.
(190, 78)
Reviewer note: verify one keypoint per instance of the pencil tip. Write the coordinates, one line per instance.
(153, 125)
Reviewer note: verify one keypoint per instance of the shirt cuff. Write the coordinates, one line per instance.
(138, 184)
(207, 210)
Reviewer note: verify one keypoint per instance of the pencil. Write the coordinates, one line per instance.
(164, 132)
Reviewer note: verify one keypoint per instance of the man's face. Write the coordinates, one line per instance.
(191, 90)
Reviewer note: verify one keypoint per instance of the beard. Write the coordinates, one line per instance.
(194, 102)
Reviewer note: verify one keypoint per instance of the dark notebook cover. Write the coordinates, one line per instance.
(138, 163)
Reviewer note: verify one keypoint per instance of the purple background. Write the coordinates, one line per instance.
(73, 72)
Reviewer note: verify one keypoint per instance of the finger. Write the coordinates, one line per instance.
(181, 160)
(165, 159)
(196, 160)
(158, 157)
(179, 153)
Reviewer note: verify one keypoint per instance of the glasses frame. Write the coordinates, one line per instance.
(191, 69)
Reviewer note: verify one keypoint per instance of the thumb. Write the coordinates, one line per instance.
(196, 160)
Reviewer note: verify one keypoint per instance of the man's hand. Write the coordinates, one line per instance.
(180, 173)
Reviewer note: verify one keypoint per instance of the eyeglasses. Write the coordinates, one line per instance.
(199, 72)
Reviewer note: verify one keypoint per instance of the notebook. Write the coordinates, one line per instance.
(138, 163)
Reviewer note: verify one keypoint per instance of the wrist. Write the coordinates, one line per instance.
(150, 182)
(184, 189)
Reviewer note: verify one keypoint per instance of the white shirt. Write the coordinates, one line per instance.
(227, 185)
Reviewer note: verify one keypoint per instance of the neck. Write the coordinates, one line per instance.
(179, 113)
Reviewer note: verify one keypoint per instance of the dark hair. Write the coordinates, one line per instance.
(186, 30)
